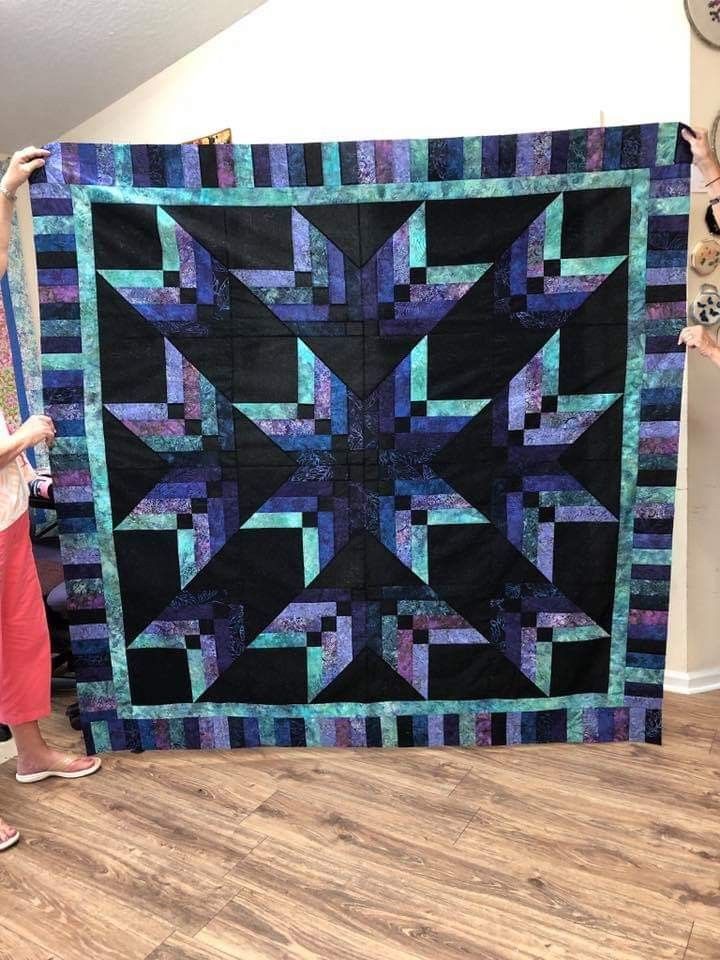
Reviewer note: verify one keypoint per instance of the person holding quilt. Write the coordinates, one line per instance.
(24, 641)
(698, 337)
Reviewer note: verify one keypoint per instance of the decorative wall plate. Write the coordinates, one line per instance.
(705, 256)
(704, 17)
(211, 139)
(705, 308)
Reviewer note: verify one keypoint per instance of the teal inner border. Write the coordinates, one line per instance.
(637, 180)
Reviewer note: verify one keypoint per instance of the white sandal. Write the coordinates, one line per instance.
(62, 774)
(6, 844)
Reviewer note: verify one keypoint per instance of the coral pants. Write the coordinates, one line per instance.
(24, 640)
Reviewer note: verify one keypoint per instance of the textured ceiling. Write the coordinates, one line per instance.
(63, 61)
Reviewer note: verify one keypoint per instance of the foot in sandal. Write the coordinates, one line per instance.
(55, 764)
(8, 836)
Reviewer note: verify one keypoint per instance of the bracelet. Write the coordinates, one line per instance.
(12, 197)
(711, 203)
(711, 182)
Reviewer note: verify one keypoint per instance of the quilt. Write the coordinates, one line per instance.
(366, 443)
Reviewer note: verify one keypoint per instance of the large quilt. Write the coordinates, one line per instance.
(370, 443)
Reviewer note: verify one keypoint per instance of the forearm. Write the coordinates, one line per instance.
(714, 355)
(6, 215)
(11, 447)
(23, 164)
(714, 193)
(710, 172)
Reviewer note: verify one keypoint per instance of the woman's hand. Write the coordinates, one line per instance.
(702, 153)
(36, 429)
(22, 164)
(698, 338)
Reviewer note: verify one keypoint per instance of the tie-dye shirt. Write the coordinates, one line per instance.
(13, 486)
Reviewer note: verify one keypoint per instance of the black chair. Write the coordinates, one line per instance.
(63, 665)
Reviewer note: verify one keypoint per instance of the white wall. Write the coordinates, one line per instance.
(299, 70)
(62, 60)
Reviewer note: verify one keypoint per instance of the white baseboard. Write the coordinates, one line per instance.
(700, 681)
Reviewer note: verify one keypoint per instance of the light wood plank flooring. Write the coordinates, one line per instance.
(608, 852)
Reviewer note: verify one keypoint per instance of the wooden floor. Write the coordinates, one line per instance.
(584, 853)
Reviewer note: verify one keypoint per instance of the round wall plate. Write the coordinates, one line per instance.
(705, 256)
(704, 17)
(705, 308)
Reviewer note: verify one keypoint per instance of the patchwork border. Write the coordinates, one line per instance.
(21, 343)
